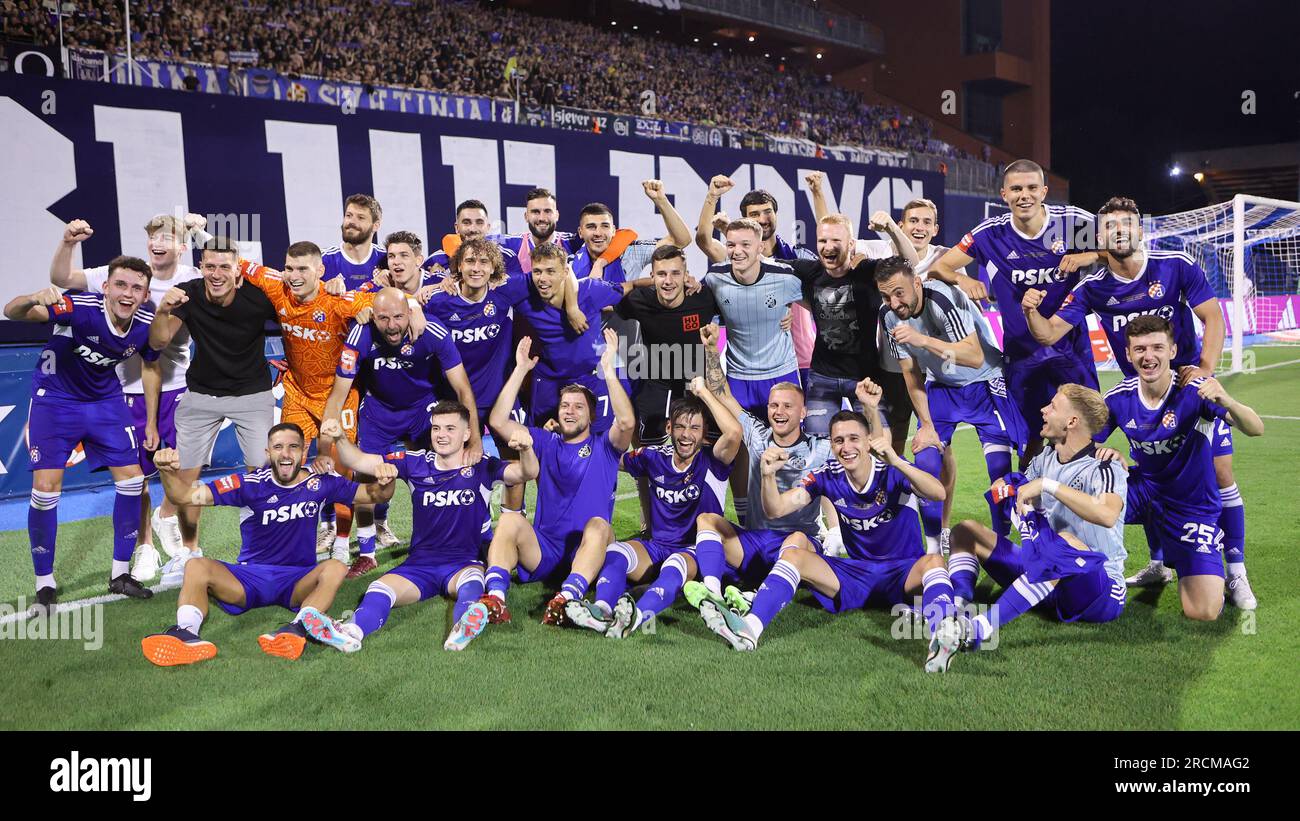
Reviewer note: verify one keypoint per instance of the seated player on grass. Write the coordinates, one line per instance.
(279, 506)
(875, 492)
(575, 486)
(686, 479)
(1071, 554)
(449, 513)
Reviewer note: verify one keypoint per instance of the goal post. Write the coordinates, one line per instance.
(1249, 248)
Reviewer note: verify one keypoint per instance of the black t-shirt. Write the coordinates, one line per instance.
(845, 310)
(678, 326)
(229, 342)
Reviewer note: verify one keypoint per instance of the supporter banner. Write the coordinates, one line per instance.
(29, 59)
(16, 367)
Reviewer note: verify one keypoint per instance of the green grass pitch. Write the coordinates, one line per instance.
(1152, 669)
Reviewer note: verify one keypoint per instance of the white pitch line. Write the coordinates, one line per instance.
(1277, 365)
(63, 607)
(1287, 418)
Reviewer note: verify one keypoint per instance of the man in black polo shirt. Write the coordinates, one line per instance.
(228, 379)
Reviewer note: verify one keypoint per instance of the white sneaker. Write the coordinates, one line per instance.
(384, 536)
(1151, 575)
(324, 539)
(168, 531)
(146, 563)
(944, 644)
(173, 573)
(1239, 592)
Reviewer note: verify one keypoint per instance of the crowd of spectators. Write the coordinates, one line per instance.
(468, 46)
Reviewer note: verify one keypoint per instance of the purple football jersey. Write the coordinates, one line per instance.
(881, 521)
(576, 483)
(277, 523)
(398, 375)
(80, 361)
(678, 496)
(1168, 285)
(355, 274)
(449, 508)
(482, 333)
(565, 354)
(1016, 262)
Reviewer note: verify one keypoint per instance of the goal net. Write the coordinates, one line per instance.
(1249, 247)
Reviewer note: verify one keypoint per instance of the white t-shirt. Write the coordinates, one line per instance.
(175, 358)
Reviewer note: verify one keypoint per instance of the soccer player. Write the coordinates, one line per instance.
(472, 222)
(543, 218)
(1071, 554)
(399, 374)
(76, 397)
(1028, 248)
(953, 371)
(760, 206)
(748, 552)
(357, 257)
(449, 510)
(1136, 281)
(479, 318)
(575, 488)
(167, 244)
(887, 563)
(1173, 489)
(597, 232)
(229, 380)
(313, 324)
(567, 356)
(686, 479)
(754, 295)
(277, 558)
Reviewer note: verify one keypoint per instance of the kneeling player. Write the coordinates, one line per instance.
(277, 563)
(887, 562)
(575, 486)
(685, 480)
(449, 503)
(1173, 490)
(1071, 554)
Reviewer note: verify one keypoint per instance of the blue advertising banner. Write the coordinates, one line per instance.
(269, 172)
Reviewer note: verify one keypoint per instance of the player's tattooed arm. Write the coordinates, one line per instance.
(620, 432)
(714, 378)
(731, 433)
(62, 274)
(926, 486)
(1045, 330)
(527, 468)
(459, 381)
(499, 417)
(776, 503)
(945, 269)
(33, 307)
(926, 436)
(881, 221)
(194, 494)
(1242, 416)
(712, 249)
(151, 377)
(164, 325)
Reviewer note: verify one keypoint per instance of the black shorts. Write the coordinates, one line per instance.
(895, 401)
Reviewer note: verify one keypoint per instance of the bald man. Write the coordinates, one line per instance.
(398, 372)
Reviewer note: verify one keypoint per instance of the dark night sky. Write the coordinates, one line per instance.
(1134, 83)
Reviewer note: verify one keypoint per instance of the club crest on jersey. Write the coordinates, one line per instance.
(313, 483)
(771, 301)
(881, 496)
(585, 451)
(319, 316)
(489, 309)
(1170, 420)
(1156, 290)
(129, 352)
(467, 472)
(408, 349)
(1058, 247)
